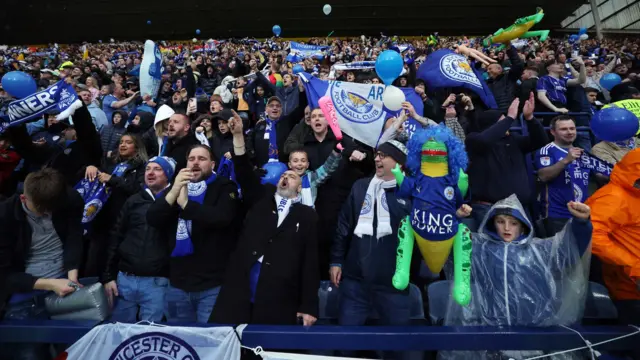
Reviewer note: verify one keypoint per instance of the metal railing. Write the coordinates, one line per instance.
(405, 338)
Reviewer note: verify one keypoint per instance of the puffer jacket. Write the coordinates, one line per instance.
(616, 234)
(134, 246)
(110, 135)
(505, 86)
(367, 259)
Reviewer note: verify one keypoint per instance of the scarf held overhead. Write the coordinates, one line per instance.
(58, 96)
(196, 192)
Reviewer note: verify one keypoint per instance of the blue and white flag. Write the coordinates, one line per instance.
(58, 96)
(359, 107)
(444, 68)
(130, 341)
(151, 70)
(356, 65)
(299, 52)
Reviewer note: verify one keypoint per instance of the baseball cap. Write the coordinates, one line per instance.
(224, 114)
(274, 98)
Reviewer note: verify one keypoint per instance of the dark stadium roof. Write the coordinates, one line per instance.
(64, 21)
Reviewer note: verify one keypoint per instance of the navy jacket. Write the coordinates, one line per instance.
(368, 259)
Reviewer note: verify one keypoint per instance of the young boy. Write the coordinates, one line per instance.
(520, 280)
(299, 162)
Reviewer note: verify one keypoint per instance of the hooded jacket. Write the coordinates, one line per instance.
(529, 281)
(616, 228)
(111, 134)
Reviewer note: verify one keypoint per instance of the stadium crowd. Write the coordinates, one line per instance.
(182, 239)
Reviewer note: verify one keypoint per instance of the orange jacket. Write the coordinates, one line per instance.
(615, 215)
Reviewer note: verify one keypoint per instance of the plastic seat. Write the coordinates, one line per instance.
(330, 303)
(439, 294)
(599, 305)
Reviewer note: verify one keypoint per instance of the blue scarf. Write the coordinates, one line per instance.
(270, 134)
(58, 96)
(227, 170)
(163, 149)
(306, 195)
(196, 192)
(95, 194)
(593, 163)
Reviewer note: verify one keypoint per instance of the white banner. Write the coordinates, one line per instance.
(141, 342)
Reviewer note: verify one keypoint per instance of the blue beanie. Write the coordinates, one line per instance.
(167, 164)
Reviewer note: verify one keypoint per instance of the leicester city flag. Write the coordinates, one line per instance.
(359, 108)
(444, 68)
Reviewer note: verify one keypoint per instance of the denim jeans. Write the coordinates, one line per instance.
(357, 301)
(182, 306)
(137, 295)
(32, 309)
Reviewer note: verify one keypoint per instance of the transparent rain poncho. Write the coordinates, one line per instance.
(527, 282)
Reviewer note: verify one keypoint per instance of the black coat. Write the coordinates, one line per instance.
(214, 234)
(259, 146)
(178, 151)
(134, 246)
(15, 241)
(289, 277)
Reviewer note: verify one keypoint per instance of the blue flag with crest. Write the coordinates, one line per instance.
(444, 68)
(359, 107)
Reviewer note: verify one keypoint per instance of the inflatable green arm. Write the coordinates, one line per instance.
(462, 266)
(397, 172)
(403, 255)
(463, 183)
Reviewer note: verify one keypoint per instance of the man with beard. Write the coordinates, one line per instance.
(272, 277)
(181, 139)
(561, 171)
(198, 216)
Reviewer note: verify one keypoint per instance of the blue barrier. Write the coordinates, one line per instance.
(366, 338)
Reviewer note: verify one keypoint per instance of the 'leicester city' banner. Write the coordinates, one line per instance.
(299, 52)
(57, 96)
(444, 68)
(140, 342)
(359, 107)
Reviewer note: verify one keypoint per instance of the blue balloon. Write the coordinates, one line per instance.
(608, 81)
(148, 22)
(19, 84)
(297, 68)
(198, 31)
(276, 30)
(389, 66)
(583, 30)
(614, 124)
(274, 170)
(573, 38)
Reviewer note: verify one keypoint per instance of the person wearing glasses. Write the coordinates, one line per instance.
(363, 252)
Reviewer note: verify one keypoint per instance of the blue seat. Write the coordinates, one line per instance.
(329, 300)
(439, 294)
(599, 305)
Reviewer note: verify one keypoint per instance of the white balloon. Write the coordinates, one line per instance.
(194, 40)
(584, 37)
(326, 9)
(392, 98)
